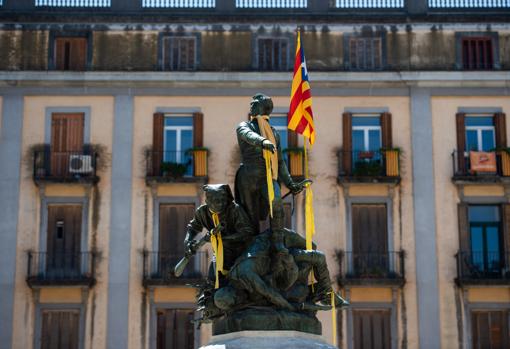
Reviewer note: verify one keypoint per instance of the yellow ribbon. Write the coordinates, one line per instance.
(309, 216)
(217, 246)
(333, 315)
(271, 159)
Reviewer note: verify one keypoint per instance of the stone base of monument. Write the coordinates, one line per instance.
(268, 340)
(266, 319)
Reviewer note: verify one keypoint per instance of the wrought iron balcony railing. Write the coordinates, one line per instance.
(46, 268)
(371, 267)
(65, 166)
(174, 166)
(158, 268)
(483, 267)
(476, 166)
(369, 166)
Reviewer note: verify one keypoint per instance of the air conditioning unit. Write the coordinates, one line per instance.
(80, 164)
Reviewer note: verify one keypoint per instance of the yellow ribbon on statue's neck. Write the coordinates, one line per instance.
(217, 246)
(270, 159)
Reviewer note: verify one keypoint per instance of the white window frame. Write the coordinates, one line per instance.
(178, 132)
(479, 130)
(367, 129)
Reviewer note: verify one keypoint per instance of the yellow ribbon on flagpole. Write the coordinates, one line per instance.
(217, 246)
(309, 216)
(333, 315)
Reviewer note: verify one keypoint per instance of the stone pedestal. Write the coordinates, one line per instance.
(268, 340)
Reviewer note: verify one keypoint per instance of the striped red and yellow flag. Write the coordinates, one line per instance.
(300, 118)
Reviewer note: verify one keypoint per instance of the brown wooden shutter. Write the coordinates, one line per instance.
(460, 119)
(346, 155)
(489, 329)
(386, 130)
(369, 228)
(59, 329)
(78, 55)
(66, 139)
(372, 329)
(157, 143)
(198, 129)
(59, 53)
(500, 128)
(292, 138)
(464, 242)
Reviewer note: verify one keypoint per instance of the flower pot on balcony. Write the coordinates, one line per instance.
(296, 164)
(200, 162)
(392, 169)
(505, 163)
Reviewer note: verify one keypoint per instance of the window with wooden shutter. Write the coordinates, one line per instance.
(179, 53)
(67, 135)
(175, 329)
(460, 120)
(489, 329)
(70, 53)
(365, 53)
(500, 129)
(386, 131)
(173, 221)
(273, 54)
(345, 155)
(60, 329)
(157, 143)
(372, 329)
(477, 53)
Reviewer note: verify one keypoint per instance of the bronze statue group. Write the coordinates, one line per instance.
(258, 280)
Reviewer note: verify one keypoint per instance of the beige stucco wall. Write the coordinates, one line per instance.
(101, 126)
(444, 142)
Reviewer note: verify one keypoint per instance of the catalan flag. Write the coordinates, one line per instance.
(300, 118)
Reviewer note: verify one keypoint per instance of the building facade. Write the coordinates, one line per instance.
(113, 114)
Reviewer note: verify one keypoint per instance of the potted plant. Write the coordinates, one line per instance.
(392, 161)
(295, 161)
(199, 160)
(173, 169)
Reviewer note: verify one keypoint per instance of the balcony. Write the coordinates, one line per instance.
(65, 166)
(61, 269)
(480, 167)
(158, 268)
(482, 268)
(371, 268)
(172, 166)
(369, 166)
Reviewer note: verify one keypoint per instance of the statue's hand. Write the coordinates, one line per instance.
(189, 247)
(267, 145)
(296, 188)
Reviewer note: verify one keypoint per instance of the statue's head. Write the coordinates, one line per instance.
(218, 196)
(261, 105)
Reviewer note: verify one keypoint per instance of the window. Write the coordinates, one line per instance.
(67, 134)
(60, 329)
(177, 139)
(489, 329)
(364, 134)
(485, 239)
(175, 329)
(179, 53)
(70, 53)
(365, 53)
(480, 133)
(173, 220)
(280, 124)
(372, 329)
(273, 54)
(63, 242)
(173, 136)
(477, 53)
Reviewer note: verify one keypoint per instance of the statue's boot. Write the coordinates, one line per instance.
(324, 289)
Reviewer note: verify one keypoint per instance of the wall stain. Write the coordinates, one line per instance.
(143, 324)
(458, 312)
(403, 319)
(92, 316)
